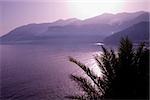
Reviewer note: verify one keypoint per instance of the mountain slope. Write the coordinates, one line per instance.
(112, 19)
(32, 31)
(99, 27)
(137, 33)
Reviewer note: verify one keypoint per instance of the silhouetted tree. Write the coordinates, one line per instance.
(125, 74)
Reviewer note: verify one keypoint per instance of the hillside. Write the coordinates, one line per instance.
(137, 33)
(97, 27)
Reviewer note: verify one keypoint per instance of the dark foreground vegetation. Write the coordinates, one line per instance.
(125, 74)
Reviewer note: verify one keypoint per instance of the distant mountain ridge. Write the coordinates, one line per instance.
(137, 33)
(100, 26)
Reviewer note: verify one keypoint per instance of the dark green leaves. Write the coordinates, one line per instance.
(125, 74)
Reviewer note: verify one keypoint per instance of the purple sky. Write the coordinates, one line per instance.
(14, 13)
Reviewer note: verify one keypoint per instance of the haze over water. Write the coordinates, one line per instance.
(34, 65)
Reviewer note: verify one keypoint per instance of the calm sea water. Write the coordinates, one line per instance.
(41, 72)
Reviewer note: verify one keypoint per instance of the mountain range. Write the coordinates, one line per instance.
(137, 33)
(93, 29)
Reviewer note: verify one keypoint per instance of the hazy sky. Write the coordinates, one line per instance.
(14, 13)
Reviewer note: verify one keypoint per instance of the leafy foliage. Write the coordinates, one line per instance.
(125, 74)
